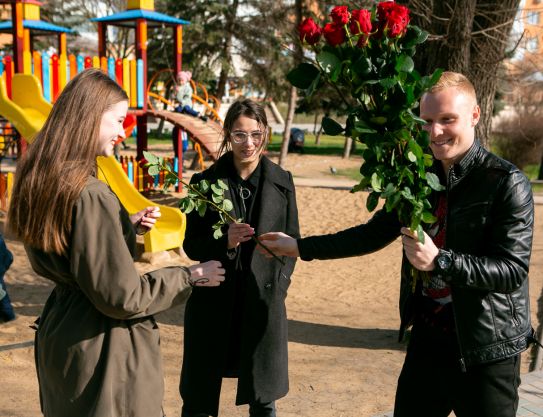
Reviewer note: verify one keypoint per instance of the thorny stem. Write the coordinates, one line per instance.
(229, 217)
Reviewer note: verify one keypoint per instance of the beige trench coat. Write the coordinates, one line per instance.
(98, 345)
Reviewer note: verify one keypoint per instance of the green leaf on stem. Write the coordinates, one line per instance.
(303, 75)
(203, 186)
(392, 201)
(331, 127)
(153, 170)
(411, 156)
(389, 190)
(216, 189)
(151, 158)
(186, 205)
(362, 67)
(420, 233)
(328, 61)
(387, 83)
(362, 127)
(222, 184)
(227, 205)
(404, 64)
(361, 186)
(372, 201)
(217, 198)
(376, 182)
(201, 206)
(433, 181)
(217, 234)
(428, 217)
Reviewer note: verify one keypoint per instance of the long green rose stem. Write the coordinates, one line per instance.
(203, 197)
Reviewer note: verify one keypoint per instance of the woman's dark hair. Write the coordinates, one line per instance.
(247, 108)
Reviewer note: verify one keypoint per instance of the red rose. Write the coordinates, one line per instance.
(397, 22)
(334, 34)
(393, 18)
(383, 10)
(309, 31)
(360, 22)
(340, 15)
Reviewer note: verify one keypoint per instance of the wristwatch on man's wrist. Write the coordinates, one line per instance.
(443, 262)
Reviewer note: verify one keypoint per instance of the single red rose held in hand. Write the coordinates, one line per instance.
(334, 34)
(309, 31)
(340, 15)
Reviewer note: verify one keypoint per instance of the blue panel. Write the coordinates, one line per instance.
(111, 68)
(80, 63)
(45, 76)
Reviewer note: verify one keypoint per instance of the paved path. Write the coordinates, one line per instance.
(530, 393)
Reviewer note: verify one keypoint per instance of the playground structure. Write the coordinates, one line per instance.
(32, 81)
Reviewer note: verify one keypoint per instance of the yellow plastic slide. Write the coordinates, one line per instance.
(28, 109)
(27, 112)
(169, 230)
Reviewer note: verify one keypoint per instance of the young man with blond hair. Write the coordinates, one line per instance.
(471, 320)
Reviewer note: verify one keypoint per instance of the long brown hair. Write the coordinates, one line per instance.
(248, 108)
(56, 167)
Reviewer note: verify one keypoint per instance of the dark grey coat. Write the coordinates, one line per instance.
(263, 373)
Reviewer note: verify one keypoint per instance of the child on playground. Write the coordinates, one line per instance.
(184, 94)
(97, 345)
(239, 330)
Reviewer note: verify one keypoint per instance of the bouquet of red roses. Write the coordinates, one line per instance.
(366, 56)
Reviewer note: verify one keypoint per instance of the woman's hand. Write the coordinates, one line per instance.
(238, 233)
(207, 274)
(279, 243)
(145, 219)
(420, 255)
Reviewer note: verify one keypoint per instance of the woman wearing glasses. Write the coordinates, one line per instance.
(239, 330)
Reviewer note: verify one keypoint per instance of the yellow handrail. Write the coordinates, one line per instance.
(194, 97)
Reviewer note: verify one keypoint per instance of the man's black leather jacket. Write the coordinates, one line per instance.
(489, 233)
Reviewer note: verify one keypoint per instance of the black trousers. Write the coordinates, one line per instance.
(432, 383)
(255, 410)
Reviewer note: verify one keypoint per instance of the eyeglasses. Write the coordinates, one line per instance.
(240, 136)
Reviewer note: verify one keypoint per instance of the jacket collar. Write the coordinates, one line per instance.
(461, 168)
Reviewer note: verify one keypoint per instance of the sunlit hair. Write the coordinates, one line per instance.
(247, 108)
(456, 80)
(56, 167)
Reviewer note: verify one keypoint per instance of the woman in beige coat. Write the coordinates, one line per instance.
(97, 346)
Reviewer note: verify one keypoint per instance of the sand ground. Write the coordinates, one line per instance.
(343, 319)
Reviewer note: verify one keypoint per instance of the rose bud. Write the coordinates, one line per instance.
(360, 22)
(309, 31)
(340, 15)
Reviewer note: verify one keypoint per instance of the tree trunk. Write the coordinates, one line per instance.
(487, 53)
(315, 121)
(318, 136)
(347, 147)
(226, 53)
(298, 56)
(469, 37)
(288, 125)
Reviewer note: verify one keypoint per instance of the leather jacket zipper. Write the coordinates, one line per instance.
(462, 360)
